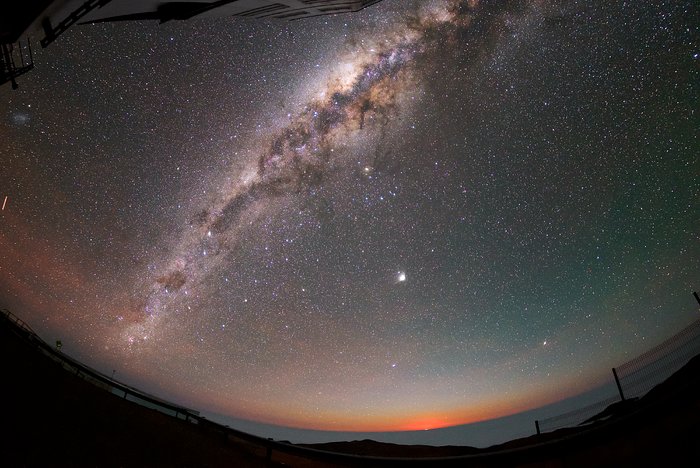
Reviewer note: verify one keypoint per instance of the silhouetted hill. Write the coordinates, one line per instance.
(686, 378)
(374, 448)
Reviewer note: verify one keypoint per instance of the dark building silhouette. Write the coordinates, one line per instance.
(48, 19)
(117, 10)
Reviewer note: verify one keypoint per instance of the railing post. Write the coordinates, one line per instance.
(537, 426)
(619, 387)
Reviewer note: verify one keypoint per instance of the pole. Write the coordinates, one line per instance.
(619, 387)
(268, 455)
(9, 65)
(537, 426)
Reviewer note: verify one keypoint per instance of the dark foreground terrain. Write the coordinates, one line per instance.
(54, 417)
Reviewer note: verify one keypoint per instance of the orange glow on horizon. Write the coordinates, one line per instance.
(401, 416)
(391, 422)
(400, 420)
(425, 424)
(422, 422)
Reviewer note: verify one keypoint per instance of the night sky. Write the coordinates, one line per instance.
(424, 214)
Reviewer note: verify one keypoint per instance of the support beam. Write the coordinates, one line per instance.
(53, 32)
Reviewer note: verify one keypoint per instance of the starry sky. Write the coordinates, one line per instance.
(424, 214)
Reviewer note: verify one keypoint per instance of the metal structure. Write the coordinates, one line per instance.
(51, 18)
(52, 32)
(120, 10)
(16, 59)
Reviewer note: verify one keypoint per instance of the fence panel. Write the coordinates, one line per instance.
(644, 372)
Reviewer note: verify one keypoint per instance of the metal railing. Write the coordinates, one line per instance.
(636, 377)
(95, 377)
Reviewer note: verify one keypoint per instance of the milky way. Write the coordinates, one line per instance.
(424, 214)
(300, 154)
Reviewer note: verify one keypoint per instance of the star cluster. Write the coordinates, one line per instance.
(420, 215)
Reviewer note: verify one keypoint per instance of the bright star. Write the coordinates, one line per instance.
(402, 277)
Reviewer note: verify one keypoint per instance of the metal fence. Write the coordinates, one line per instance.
(634, 378)
(575, 417)
(641, 374)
